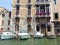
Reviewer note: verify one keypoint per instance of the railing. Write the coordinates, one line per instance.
(29, 4)
(43, 14)
(42, 2)
(17, 15)
(29, 15)
(16, 4)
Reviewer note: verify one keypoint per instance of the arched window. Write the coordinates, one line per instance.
(29, 26)
(37, 27)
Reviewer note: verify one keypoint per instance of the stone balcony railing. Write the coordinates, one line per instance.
(43, 14)
(17, 16)
(29, 4)
(42, 2)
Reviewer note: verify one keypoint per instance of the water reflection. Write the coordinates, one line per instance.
(31, 41)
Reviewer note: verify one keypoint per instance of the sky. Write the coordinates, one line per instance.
(6, 4)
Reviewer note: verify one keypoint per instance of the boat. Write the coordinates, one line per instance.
(38, 35)
(23, 34)
(7, 35)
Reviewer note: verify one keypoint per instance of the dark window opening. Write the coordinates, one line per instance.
(17, 19)
(28, 19)
(37, 28)
(29, 10)
(8, 22)
(3, 15)
(56, 15)
(47, 10)
(29, 7)
(47, 5)
(49, 28)
(37, 9)
(9, 14)
(1, 28)
(17, 7)
(37, 20)
(43, 26)
(42, 8)
(17, 12)
(57, 31)
(57, 24)
(29, 1)
(8, 28)
(55, 2)
(29, 26)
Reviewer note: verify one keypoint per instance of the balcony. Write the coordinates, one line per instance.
(42, 2)
(29, 16)
(17, 16)
(16, 4)
(43, 14)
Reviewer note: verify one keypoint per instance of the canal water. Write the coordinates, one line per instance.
(31, 41)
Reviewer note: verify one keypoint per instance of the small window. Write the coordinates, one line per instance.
(56, 16)
(58, 30)
(3, 15)
(17, 12)
(37, 9)
(1, 28)
(9, 14)
(29, 10)
(49, 28)
(55, 2)
(57, 24)
(17, 7)
(29, 7)
(8, 22)
(42, 8)
(37, 28)
(29, 27)
(2, 22)
(8, 28)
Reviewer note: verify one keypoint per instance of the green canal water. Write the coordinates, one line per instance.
(31, 41)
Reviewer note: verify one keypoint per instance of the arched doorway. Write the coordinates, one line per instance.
(17, 24)
(43, 28)
(29, 28)
(38, 28)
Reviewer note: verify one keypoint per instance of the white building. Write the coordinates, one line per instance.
(5, 16)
